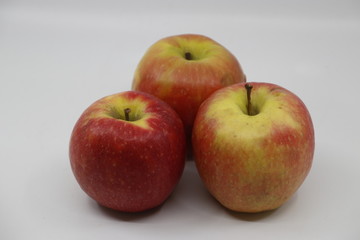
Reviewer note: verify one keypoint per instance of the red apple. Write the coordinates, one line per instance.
(184, 70)
(253, 145)
(127, 151)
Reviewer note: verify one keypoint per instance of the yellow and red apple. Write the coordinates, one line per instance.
(253, 145)
(183, 70)
(127, 151)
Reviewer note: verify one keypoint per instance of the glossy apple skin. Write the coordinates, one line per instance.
(253, 163)
(129, 166)
(184, 84)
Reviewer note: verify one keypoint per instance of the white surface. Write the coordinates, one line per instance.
(57, 57)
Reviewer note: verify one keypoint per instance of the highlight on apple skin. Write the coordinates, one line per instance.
(253, 145)
(183, 70)
(127, 151)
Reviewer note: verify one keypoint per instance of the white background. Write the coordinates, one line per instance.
(57, 57)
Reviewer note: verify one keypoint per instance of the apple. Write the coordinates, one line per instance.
(253, 145)
(183, 70)
(127, 151)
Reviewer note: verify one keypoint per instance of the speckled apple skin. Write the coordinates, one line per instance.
(184, 84)
(253, 163)
(128, 166)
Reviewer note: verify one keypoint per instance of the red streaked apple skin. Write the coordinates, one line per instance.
(128, 166)
(184, 84)
(253, 163)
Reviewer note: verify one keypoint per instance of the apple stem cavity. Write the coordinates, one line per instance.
(188, 56)
(127, 112)
(249, 106)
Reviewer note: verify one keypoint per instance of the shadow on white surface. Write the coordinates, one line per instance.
(126, 216)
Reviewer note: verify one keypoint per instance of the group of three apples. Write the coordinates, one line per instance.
(252, 143)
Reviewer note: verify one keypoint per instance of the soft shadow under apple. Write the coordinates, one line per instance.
(125, 216)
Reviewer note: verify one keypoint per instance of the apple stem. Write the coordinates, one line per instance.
(249, 105)
(188, 56)
(127, 112)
